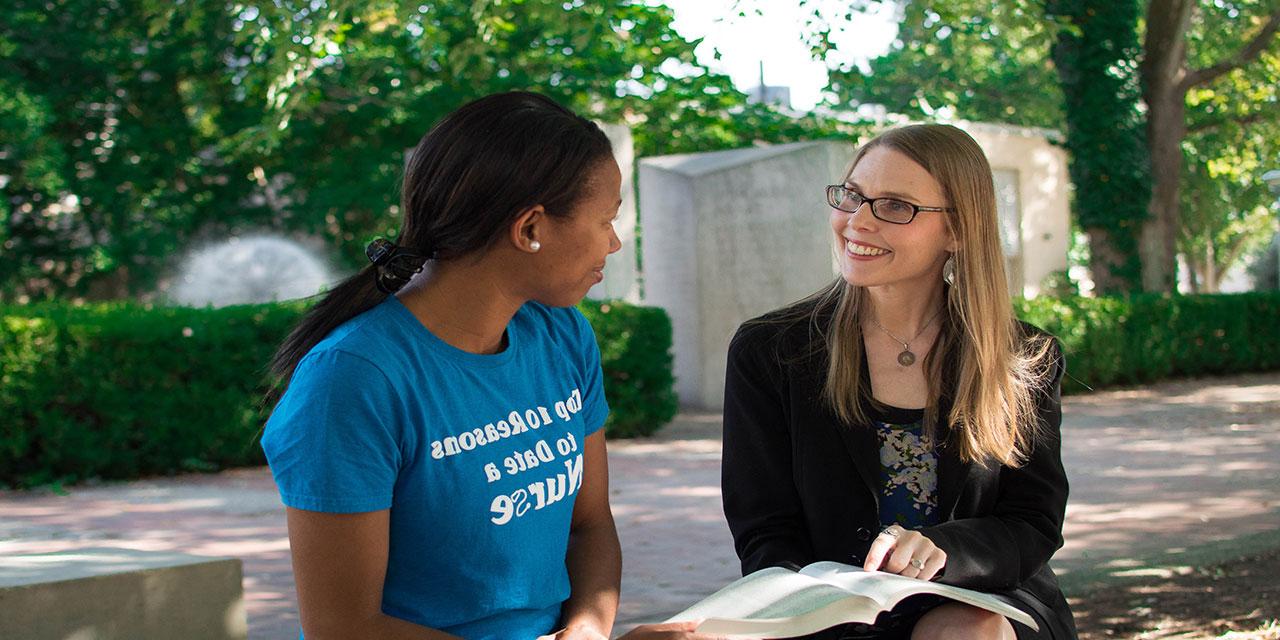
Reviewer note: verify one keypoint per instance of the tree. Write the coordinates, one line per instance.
(133, 129)
(106, 154)
(1094, 52)
(1227, 211)
(1229, 36)
(980, 60)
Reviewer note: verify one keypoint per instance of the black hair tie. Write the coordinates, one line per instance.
(395, 264)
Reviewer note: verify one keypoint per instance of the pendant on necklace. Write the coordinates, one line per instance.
(906, 358)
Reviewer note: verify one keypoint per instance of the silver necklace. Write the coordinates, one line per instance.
(907, 358)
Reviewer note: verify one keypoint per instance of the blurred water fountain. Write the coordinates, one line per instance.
(260, 268)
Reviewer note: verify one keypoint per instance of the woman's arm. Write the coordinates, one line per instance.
(595, 562)
(594, 557)
(339, 564)
(1025, 528)
(760, 499)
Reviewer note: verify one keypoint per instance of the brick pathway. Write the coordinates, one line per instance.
(1154, 469)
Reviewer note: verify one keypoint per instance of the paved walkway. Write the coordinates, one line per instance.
(1154, 470)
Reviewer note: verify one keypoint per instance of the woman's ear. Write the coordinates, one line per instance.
(953, 244)
(528, 230)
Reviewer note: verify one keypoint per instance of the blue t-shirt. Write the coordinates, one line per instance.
(478, 457)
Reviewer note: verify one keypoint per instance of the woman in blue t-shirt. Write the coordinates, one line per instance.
(439, 446)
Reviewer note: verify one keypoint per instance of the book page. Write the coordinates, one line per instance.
(777, 602)
(889, 589)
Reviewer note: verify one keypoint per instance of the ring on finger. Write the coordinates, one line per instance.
(892, 532)
(917, 563)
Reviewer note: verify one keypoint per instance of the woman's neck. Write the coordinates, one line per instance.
(463, 304)
(904, 311)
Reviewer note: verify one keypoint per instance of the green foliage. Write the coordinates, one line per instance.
(997, 61)
(1145, 337)
(978, 60)
(132, 129)
(635, 353)
(1096, 54)
(110, 133)
(1233, 137)
(123, 390)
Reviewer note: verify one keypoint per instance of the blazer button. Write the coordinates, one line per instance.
(863, 534)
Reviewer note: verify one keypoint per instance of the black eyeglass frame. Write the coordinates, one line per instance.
(832, 200)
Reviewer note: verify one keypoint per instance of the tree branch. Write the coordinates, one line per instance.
(1241, 119)
(1248, 53)
(1233, 255)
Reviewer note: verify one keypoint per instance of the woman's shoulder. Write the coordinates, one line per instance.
(790, 329)
(366, 335)
(566, 326)
(1026, 330)
(1044, 349)
(1035, 338)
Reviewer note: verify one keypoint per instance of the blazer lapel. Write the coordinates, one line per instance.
(863, 446)
(951, 470)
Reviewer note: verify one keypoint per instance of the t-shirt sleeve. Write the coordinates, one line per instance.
(595, 408)
(332, 441)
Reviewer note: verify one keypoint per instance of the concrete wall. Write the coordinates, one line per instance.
(670, 249)
(621, 275)
(730, 235)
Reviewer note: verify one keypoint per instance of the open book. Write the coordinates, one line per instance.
(781, 603)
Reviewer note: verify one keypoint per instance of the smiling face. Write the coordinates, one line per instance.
(572, 256)
(876, 253)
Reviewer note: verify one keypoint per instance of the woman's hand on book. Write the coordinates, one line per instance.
(906, 553)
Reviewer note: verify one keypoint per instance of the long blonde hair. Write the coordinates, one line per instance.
(981, 359)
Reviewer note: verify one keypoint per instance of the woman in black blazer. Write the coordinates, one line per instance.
(902, 419)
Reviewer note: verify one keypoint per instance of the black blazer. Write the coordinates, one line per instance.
(801, 486)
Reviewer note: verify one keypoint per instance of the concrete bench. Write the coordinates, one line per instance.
(109, 594)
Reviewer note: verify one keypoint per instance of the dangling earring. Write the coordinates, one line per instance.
(535, 246)
(949, 270)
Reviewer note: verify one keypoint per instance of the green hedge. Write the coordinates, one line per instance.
(121, 391)
(635, 354)
(124, 390)
(1142, 338)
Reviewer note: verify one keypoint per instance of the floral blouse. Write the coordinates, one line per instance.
(908, 476)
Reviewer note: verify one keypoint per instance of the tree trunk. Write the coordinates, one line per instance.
(1163, 70)
(1105, 262)
(1165, 83)
(1158, 245)
(1212, 278)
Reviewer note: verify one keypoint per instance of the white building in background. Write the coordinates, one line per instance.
(729, 235)
(1033, 200)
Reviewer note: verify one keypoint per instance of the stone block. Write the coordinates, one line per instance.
(121, 594)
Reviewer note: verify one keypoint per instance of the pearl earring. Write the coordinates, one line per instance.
(535, 245)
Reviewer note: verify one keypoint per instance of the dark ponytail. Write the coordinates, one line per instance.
(350, 298)
(464, 183)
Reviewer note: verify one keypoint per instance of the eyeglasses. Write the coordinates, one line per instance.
(887, 209)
